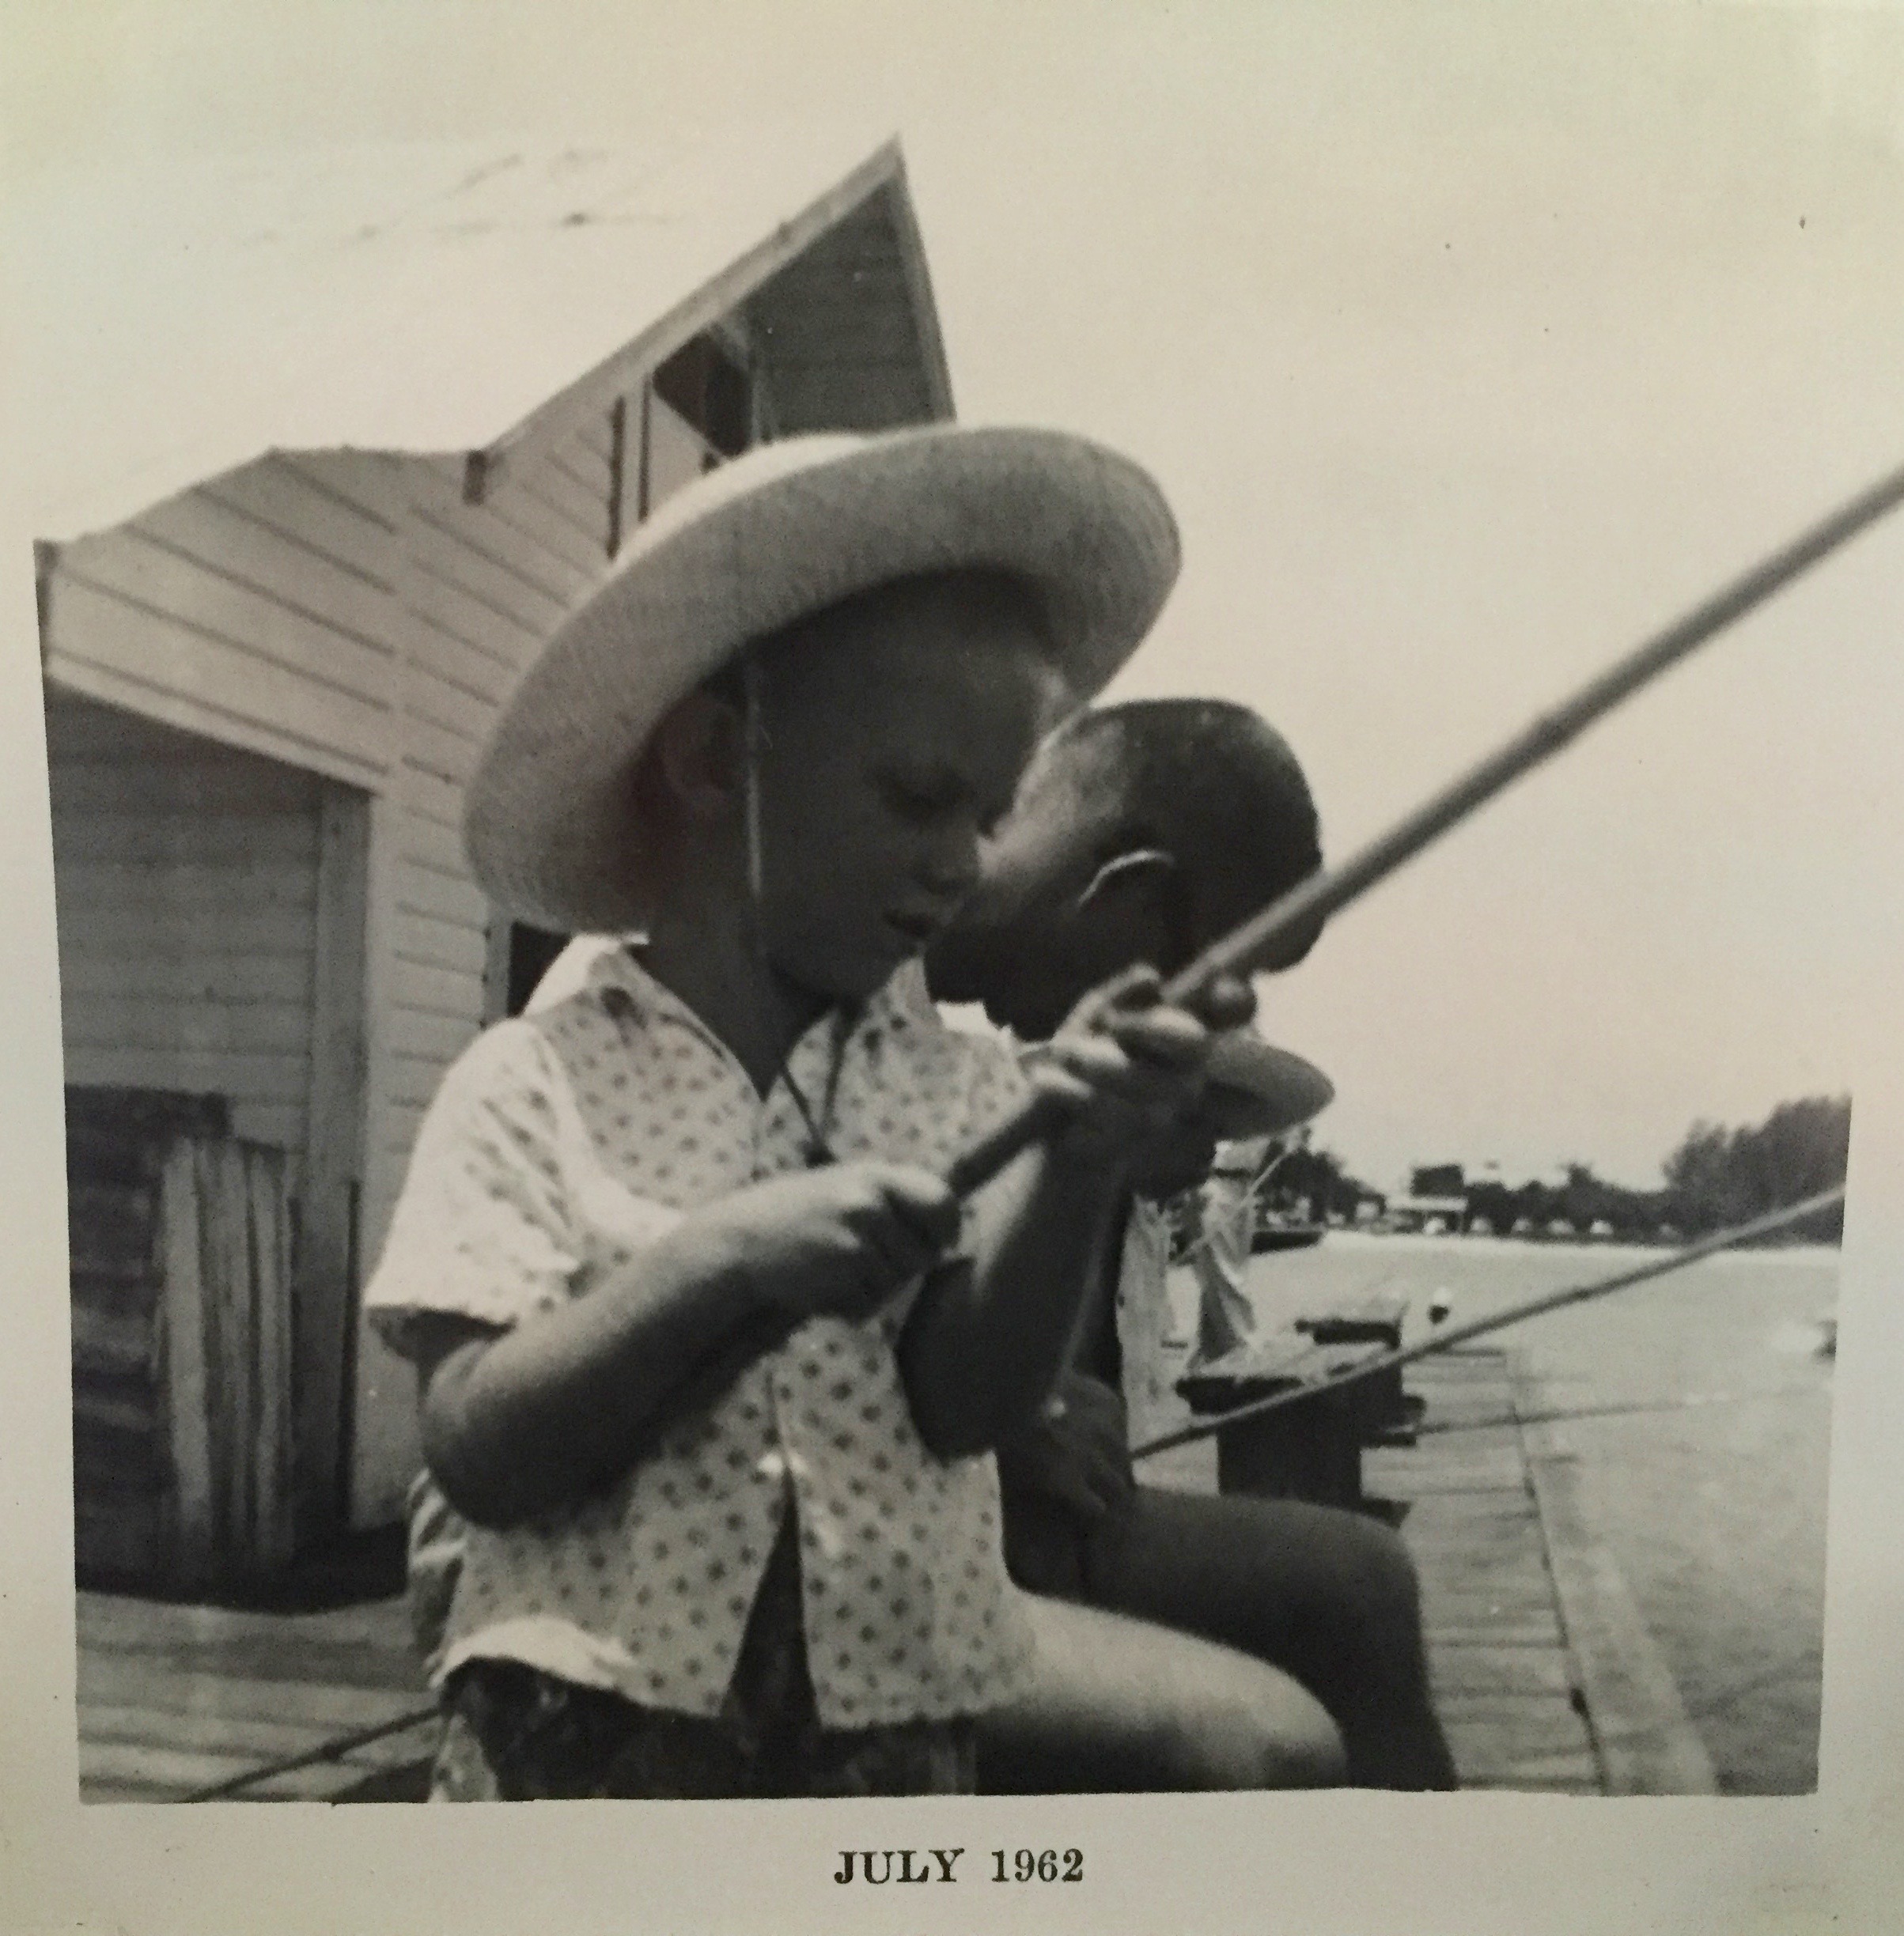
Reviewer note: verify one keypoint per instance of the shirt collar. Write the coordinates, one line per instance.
(899, 1012)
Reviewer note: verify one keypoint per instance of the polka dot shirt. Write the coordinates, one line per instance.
(558, 1145)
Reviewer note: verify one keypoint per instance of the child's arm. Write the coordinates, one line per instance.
(983, 1345)
(517, 1421)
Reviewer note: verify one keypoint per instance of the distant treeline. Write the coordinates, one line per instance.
(1718, 1176)
(1715, 1178)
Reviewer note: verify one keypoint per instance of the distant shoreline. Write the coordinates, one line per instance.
(1795, 1251)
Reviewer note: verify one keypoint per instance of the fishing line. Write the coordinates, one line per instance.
(1765, 1226)
(1567, 1414)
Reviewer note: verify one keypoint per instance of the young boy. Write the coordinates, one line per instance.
(705, 1359)
(1142, 832)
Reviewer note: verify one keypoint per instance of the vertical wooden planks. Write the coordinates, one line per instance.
(271, 1467)
(225, 1360)
(184, 1401)
(231, 1392)
(322, 1296)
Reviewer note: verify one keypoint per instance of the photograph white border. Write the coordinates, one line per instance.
(1309, 1863)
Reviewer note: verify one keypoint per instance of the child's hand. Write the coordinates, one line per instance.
(1130, 1065)
(839, 1241)
(1075, 1453)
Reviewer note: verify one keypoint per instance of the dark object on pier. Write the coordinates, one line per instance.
(1392, 1416)
(1312, 1451)
(1270, 1234)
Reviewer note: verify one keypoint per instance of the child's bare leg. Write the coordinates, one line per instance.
(1327, 1595)
(1121, 1706)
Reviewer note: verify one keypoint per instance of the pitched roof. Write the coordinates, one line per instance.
(423, 299)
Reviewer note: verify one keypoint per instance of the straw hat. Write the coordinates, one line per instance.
(1257, 1089)
(780, 532)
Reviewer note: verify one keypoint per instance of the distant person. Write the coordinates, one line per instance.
(1220, 1230)
(1142, 832)
(709, 1364)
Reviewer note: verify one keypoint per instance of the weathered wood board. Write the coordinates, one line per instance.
(1545, 1677)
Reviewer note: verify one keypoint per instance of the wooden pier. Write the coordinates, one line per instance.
(174, 1700)
(1545, 1675)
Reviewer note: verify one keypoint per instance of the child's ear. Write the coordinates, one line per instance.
(1137, 876)
(699, 750)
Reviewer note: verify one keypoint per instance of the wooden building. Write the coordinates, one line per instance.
(330, 450)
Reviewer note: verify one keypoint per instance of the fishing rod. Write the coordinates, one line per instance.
(1258, 938)
(332, 1750)
(1765, 1226)
(336, 1749)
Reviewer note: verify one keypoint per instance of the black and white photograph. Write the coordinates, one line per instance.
(955, 904)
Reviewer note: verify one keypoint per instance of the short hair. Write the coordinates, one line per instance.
(1209, 782)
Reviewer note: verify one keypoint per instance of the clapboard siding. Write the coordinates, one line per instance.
(843, 335)
(436, 847)
(441, 611)
(441, 1037)
(435, 943)
(164, 905)
(477, 592)
(573, 506)
(568, 554)
(439, 991)
(492, 561)
(255, 609)
(451, 897)
(185, 831)
(108, 647)
(89, 921)
(373, 484)
(308, 512)
(433, 798)
(254, 977)
(462, 708)
(186, 908)
(201, 1018)
(335, 603)
(350, 614)
(597, 437)
(404, 1119)
(585, 469)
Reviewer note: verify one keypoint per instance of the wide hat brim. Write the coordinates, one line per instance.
(1255, 1089)
(782, 531)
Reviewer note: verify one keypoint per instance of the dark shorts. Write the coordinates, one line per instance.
(512, 1734)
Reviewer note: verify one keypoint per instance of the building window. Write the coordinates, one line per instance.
(707, 388)
(695, 411)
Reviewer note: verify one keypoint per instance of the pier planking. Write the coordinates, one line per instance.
(1544, 1674)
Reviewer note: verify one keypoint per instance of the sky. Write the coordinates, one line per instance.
(1470, 344)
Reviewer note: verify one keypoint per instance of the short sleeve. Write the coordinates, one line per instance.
(483, 1228)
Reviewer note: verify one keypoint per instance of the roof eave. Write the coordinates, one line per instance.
(594, 392)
